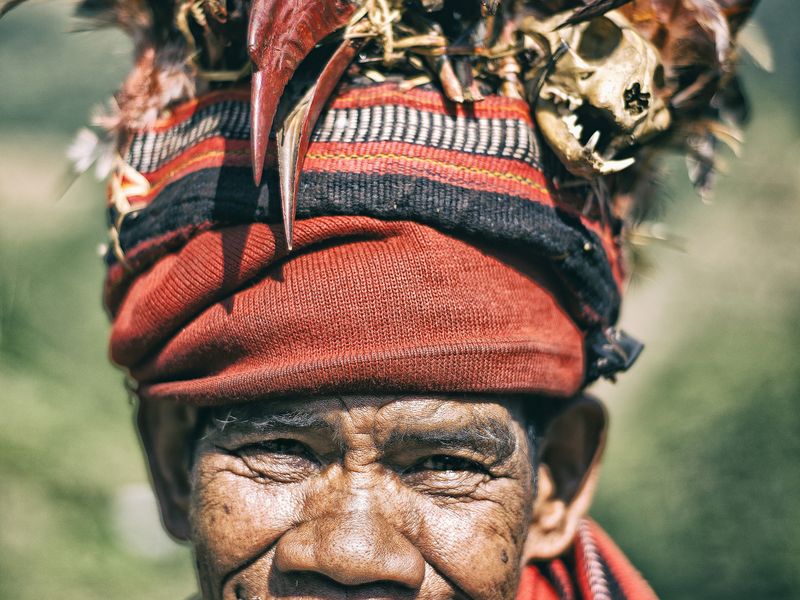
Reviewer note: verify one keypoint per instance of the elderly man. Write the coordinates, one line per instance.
(386, 410)
(323, 479)
(363, 376)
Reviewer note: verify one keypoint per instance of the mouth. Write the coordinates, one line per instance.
(585, 138)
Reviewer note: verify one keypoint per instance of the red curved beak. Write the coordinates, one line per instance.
(281, 35)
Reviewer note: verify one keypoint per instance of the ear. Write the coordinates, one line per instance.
(569, 465)
(167, 431)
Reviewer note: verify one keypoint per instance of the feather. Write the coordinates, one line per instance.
(737, 12)
(160, 77)
(135, 17)
(592, 9)
(182, 45)
(84, 150)
(753, 41)
(8, 5)
(88, 149)
(489, 7)
(675, 24)
(694, 40)
(701, 164)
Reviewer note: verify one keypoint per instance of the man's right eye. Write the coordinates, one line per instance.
(282, 460)
(282, 447)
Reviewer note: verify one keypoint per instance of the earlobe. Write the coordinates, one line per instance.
(166, 431)
(568, 471)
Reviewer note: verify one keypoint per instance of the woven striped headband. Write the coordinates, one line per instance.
(381, 152)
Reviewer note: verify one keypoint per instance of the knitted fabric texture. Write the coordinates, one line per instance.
(359, 305)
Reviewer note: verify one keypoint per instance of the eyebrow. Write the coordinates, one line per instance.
(486, 436)
(253, 421)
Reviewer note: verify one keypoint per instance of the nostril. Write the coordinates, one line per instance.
(636, 100)
(356, 550)
(241, 594)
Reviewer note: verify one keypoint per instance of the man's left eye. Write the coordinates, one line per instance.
(447, 463)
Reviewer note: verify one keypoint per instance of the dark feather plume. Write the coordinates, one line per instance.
(7, 5)
(737, 12)
(593, 8)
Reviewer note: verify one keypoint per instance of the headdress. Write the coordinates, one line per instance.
(525, 128)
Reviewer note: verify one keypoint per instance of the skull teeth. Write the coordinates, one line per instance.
(592, 143)
(566, 107)
(571, 121)
(604, 165)
(563, 101)
(615, 166)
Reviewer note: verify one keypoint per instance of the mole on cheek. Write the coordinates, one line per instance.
(504, 556)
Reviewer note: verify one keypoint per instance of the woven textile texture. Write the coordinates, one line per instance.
(594, 569)
(380, 152)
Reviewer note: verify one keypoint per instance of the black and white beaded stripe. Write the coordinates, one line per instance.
(150, 150)
(503, 138)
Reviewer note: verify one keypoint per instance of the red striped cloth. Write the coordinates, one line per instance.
(595, 569)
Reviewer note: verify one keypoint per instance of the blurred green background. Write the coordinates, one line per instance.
(701, 485)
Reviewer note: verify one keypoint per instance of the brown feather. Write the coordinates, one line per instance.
(737, 12)
(592, 9)
(694, 37)
(694, 40)
(8, 5)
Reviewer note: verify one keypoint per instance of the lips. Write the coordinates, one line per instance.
(310, 586)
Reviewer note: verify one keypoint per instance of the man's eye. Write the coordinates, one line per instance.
(279, 461)
(447, 463)
(287, 448)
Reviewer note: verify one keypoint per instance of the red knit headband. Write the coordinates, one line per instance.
(359, 305)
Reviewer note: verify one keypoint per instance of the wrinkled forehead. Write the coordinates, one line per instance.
(387, 419)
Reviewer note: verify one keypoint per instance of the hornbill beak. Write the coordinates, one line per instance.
(281, 34)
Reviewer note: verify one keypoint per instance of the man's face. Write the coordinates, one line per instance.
(362, 498)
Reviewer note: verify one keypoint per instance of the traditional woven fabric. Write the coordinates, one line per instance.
(359, 305)
(595, 569)
(379, 152)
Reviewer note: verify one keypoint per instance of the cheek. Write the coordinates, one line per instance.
(235, 519)
(477, 543)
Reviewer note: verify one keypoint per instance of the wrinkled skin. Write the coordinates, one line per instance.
(371, 496)
(365, 497)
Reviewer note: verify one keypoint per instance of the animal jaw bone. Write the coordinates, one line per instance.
(601, 97)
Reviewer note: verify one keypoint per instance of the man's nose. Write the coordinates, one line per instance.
(352, 547)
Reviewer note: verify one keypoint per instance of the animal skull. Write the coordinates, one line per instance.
(601, 97)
